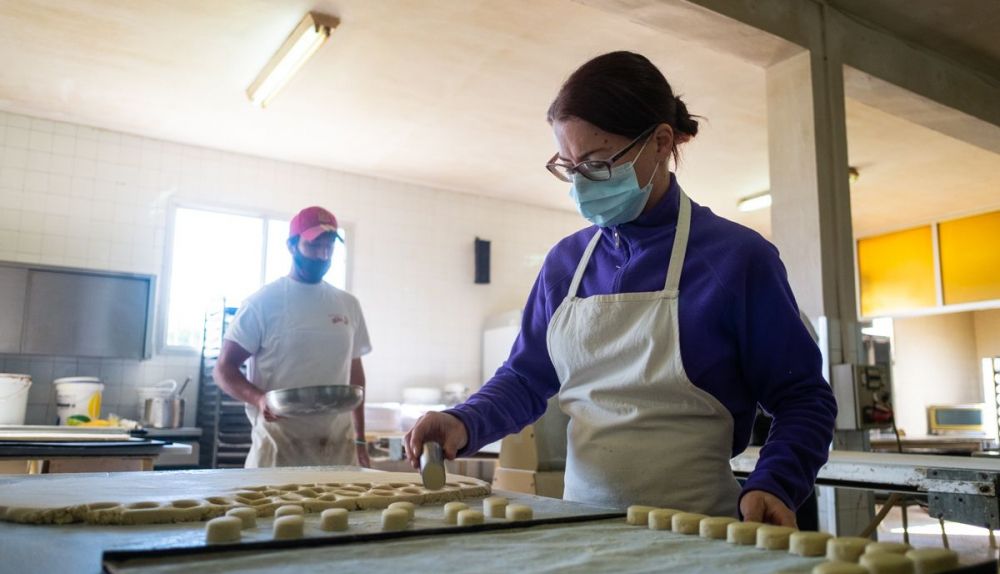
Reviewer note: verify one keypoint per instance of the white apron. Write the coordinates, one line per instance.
(640, 432)
(315, 440)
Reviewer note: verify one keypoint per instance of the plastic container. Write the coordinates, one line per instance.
(422, 395)
(161, 390)
(78, 398)
(13, 398)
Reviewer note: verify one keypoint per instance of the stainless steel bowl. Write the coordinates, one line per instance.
(323, 399)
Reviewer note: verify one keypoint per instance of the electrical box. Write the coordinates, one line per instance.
(864, 396)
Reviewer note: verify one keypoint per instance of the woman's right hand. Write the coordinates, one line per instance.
(441, 428)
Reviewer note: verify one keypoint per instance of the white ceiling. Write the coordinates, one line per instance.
(446, 94)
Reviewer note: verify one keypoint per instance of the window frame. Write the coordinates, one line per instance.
(164, 295)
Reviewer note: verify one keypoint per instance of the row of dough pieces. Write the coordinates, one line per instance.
(264, 499)
(289, 521)
(845, 555)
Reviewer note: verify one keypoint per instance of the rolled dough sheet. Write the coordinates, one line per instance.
(165, 497)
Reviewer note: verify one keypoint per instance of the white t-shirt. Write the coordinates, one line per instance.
(299, 335)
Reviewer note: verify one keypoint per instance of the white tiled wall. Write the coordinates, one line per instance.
(84, 197)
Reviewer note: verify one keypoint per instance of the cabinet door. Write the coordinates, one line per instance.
(970, 258)
(84, 315)
(896, 272)
(13, 286)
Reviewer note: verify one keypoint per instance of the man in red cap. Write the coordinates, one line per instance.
(299, 331)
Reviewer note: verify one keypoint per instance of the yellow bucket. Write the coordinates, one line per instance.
(78, 399)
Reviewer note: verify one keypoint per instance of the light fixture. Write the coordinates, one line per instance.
(763, 200)
(300, 45)
(755, 202)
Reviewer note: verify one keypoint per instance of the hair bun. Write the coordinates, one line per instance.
(685, 123)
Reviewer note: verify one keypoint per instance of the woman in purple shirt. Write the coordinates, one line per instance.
(661, 327)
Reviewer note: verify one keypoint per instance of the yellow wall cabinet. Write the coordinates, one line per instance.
(970, 258)
(896, 272)
(955, 262)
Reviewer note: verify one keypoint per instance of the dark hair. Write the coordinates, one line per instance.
(623, 93)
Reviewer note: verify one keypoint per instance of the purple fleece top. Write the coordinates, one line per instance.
(742, 339)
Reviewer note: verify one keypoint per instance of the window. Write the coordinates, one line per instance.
(221, 258)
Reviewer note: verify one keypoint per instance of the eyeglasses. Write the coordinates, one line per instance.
(592, 169)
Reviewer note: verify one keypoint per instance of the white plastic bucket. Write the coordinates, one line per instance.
(78, 396)
(13, 398)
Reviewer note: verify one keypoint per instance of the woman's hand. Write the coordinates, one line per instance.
(363, 459)
(760, 506)
(441, 428)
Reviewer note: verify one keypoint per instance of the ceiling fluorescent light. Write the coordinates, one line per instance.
(300, 45)
(755, 202)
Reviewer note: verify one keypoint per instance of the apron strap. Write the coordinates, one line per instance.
(582, 266)
(680, 245)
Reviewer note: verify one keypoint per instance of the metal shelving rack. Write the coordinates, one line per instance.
(225, 439)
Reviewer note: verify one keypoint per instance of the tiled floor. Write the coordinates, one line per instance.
(972, 544)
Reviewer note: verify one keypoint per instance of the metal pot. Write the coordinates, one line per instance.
(163, 413)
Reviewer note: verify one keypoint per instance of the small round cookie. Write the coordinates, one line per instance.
(495, 506)
(887, 563)
(715, 527)
(289, 510)
(839, 568)
(246, 514)
(333, 519)
(808, 544)
(889, 547)
(519, 512)
(638, 515)
(661, 518)
(933, 560)
(686, 522)
(470, 517)
(223, 529)
(451, 511)
(394, 519)
(409, 507)
(846, 548)
(289, 526)
(742, 533)
(771, 537)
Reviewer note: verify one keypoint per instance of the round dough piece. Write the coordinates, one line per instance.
(394, 519)
(495, 506)
(451, 511)
(933, 560)
(245, 514)
(289, 510)
(846, 548)
(887, 563)
(519, 512)
(808, 543)
(333, 519)
(715, 527)
(289, 526)
(774, 537)
(661, 518)
(686, 522)
(470, 517)
(890, 547)
(839, 568)
(638, 515)
(409, 507)
(742, 533)
(223, 529)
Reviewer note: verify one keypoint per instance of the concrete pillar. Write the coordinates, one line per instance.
(811, 209)
(811, 226)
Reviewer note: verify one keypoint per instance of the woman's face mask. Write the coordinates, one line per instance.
(613, 201)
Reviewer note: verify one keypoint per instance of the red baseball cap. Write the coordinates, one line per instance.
(312, 222)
